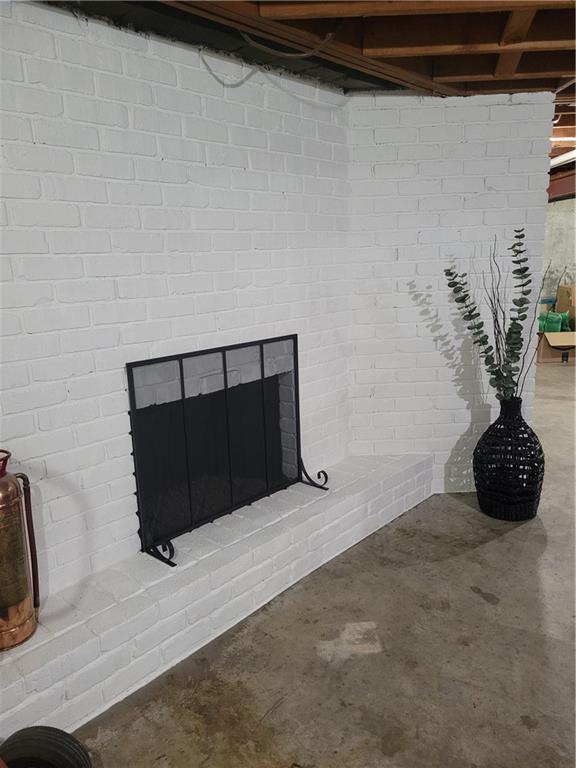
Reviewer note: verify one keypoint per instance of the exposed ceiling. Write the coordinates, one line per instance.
(441, 47)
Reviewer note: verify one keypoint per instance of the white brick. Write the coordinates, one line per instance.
(112, 217)
(150, 69)
(96, 111)
(177, 101)
(25, 294)
(11, 67)
(154, 170)
(39, 159)
(65, 78)
(128, 142)
(17, 426)
(91, 56)
(118, 312)
(123, 89)
(36, 42)
(74, 189)
(79, 341)
(22, 242)
(67, 135)
(56, 18)
(164, 218)
(141, 287)
(157, 121)
(106, 266)
(94, 385)
(17, 98)
(80, 242)
(135, 194)
(36, 214)
(137, 242)
(13, 127)
(108, 166)
(55, 319)
(62, 367)
(39, 396)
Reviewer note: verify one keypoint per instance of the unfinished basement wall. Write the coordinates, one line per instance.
(152, 209)
(432, 183)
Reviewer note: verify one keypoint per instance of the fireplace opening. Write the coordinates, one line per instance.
(213, 431)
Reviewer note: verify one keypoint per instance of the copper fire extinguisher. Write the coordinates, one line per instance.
(19, 599)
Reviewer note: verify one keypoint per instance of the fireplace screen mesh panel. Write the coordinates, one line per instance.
(212, 431)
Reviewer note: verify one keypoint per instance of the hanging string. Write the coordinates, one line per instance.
(330, 36)
(226, 83)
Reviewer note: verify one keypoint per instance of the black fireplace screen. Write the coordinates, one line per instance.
(213, 431)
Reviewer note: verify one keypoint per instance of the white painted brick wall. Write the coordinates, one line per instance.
(434, 186)
(108, 635)
(151, 210)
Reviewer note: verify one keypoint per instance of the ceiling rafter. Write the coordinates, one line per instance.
(464, 34)
(245, 16)
(455, 69)
(515, 31)
(345, 9)
(442, 47)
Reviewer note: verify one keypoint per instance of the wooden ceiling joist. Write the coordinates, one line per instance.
(515, 31)
(442, 47)
(344, 9)
(564, 132)
(566, 97)
(510, 86)
(244, 16)
(465, 34)
(455, 69)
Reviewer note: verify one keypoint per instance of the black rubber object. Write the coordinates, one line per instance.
(44, 747)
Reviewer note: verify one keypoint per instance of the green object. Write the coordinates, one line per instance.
(552, 322)
(502, 348)
(565, 321)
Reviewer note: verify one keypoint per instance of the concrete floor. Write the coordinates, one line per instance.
(443, 641)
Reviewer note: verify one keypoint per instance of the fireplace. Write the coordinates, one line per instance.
(213, 431)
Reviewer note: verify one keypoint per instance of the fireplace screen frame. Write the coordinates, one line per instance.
(161, 547)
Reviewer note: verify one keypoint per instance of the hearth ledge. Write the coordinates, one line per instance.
(114, 632)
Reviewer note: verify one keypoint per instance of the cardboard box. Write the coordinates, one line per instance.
(566, 301)
(556, 347)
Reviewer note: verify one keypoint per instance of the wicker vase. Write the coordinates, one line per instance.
(509, 466)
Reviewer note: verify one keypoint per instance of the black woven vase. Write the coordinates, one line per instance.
(509, 466)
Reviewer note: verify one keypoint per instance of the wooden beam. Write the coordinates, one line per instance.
(507, 64)
(345, 9)
(563, 121)
(244, 16)
(560, 150)
(516, 29)
(455, 69)
(464, 34)
(562, 185)
(511, 86)
(567, 96)
(517, 26)
(564, 132)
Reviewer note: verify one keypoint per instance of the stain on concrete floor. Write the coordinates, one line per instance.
(467, 627)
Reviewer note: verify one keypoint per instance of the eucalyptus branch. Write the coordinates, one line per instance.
(500, 357)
